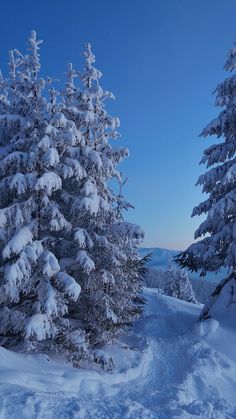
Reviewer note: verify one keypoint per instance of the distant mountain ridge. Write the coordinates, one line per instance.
(159, 257)
(160, 260)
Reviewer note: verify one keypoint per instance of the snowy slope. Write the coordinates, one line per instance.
(169, 368)
(160, 259)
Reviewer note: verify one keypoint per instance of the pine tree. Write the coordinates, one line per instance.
(61, 224)
(178, 285)
(34, 291)
(104, 249)
(218, 248)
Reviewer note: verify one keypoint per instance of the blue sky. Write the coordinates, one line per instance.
(162, 59)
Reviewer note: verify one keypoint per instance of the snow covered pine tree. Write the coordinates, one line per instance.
(61, 224)
(34, 291)
(104, 248)
(218, 248)
(177, 284)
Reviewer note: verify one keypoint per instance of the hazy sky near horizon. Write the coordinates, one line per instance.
(162, 59)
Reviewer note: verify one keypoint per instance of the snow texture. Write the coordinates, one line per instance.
(168, 367)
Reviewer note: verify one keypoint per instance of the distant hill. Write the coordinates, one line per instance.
(159, 257)
(160, 260)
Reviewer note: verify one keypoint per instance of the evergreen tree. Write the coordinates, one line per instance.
(217, 245)
(34, 290)
(61, 223)
(178, 285)
(104, 248)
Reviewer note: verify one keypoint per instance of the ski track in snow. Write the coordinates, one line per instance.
(179, 375)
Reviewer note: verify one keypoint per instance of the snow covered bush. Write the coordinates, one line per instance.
(69, 265)
(217, 245)
(178, 285)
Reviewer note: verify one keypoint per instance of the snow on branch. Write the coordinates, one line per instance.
(39, 326)
(68, 285)
(85, 261)
(48, 182)
(51, 265)
(17, 243)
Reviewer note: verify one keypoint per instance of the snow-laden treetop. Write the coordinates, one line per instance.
(217, 234)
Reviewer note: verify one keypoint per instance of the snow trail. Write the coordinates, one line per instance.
(175, 372)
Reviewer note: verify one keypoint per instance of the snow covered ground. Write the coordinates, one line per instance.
(169, 367)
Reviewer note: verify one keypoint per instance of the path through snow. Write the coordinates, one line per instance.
(178, 370)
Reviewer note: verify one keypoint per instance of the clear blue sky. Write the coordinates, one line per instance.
(162, 59)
